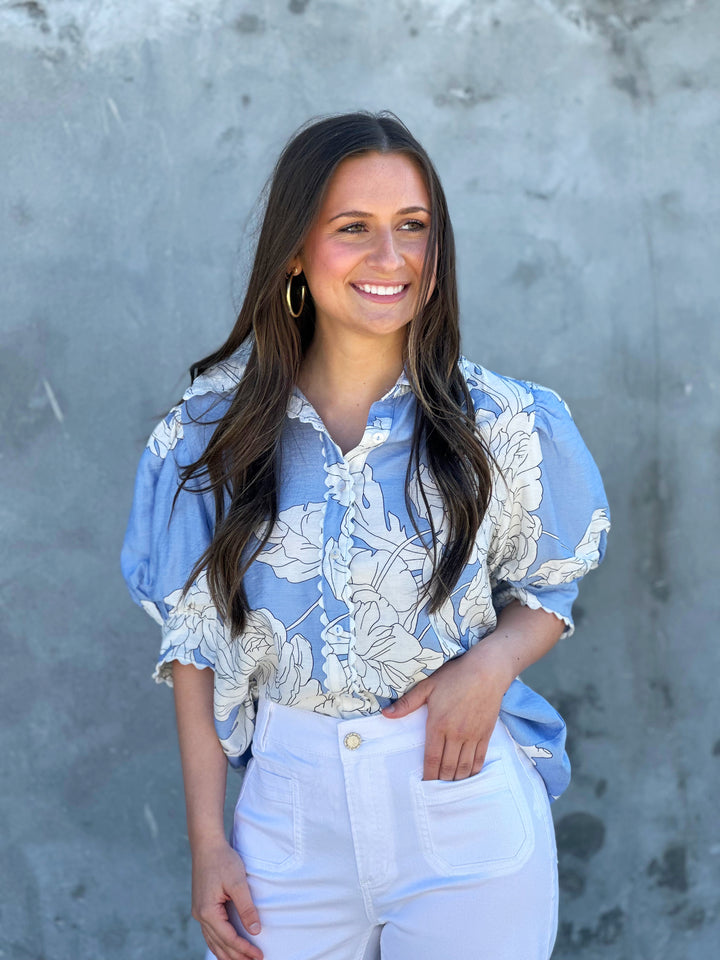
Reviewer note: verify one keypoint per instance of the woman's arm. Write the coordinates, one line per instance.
(463, 696)
(218, 872)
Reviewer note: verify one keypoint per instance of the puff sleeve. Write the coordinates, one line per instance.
(554, 518)
(161, 547)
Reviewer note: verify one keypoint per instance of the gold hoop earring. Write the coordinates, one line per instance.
(288, 297)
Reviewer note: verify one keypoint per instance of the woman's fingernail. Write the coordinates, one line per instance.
(391, 708)
(254, 928)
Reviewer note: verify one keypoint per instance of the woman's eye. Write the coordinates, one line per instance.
(352, 228)
(413, 225)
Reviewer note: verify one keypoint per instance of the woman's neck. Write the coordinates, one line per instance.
(342, 381)
(348, 372)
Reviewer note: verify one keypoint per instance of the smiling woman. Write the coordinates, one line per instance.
(364, 267)
(355, 539)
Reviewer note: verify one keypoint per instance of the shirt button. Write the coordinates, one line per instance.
(352, 741)
(335, 554)
(337, 629)
(378, 437)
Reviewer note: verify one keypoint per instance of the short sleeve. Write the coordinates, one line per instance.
(161, 547)
(555, 516)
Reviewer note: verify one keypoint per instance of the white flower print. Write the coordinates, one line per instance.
(372, 569)
(509, 395)
(340, 483)
(551, 573)
(293, 680)
(336, 676)
(446, 629)
(476, 605)
(224, 376)
(381, 529)
(516, 448)
(434, 499)
(244, 666)
(192, 624)
(335, 569)
(295, 553)
(388, 658)
(166, 435)
(522, 533)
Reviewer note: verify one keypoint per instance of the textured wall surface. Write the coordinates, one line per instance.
(579, 143)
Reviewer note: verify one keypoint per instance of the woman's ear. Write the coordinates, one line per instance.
(294, 268)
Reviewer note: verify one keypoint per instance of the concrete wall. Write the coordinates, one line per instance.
(580, 146)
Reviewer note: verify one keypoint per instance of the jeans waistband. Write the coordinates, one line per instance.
(304, 732)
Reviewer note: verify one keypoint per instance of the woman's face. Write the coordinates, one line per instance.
(363, 256)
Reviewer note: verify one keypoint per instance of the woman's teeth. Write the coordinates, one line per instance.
(380, 291)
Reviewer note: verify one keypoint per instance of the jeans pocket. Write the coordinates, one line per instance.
(265, 827)
(481, 825)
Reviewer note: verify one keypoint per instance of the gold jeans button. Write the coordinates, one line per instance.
(352, 741)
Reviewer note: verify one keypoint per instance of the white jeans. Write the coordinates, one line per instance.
(350, 855)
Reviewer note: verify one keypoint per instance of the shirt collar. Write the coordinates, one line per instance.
(300, 408)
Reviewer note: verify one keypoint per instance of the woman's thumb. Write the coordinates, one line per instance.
(408, 701)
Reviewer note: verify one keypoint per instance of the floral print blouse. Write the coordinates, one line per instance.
(336, 623)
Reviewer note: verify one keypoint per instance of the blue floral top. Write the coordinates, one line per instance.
(336, 624)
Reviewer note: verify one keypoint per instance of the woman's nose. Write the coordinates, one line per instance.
(385, 254)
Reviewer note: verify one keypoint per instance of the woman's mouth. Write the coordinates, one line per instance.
(381, 293)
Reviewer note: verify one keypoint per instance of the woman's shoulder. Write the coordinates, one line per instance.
(192, 421)
(494, 394)
(220, 380)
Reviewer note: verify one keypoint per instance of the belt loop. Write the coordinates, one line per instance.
(261, 722)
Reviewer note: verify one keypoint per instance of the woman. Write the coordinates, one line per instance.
(337, 512)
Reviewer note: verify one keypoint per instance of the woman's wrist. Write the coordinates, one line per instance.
(494, 659)
(204, 836)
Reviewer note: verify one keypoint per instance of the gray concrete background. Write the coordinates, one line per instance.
(579, 143)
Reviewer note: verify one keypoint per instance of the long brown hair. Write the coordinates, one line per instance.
(242, 457)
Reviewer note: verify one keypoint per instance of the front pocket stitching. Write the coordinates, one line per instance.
(491, 867)
(294, 855)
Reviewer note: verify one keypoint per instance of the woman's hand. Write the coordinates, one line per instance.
(464, 695)
(218, 880)
(463, 699)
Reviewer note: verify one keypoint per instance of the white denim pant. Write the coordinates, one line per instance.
(351, 855)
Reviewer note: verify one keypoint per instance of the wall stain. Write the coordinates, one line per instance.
(114, 934)
(652, 503)
(298, 6)
(601, 787)
(716, 748)
(606, 932)
(693, 918)
(21, 212)
(671, 870)
(249, 23)
(628, 84)
(574, 707)
(527, 272)
(35, 11)
(581, 834)
(572, 882)
(662, 688)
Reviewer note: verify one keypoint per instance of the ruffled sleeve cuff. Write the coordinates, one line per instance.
(191, 634)
(557, 602)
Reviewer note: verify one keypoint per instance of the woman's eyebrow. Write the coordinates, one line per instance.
(362, 213)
